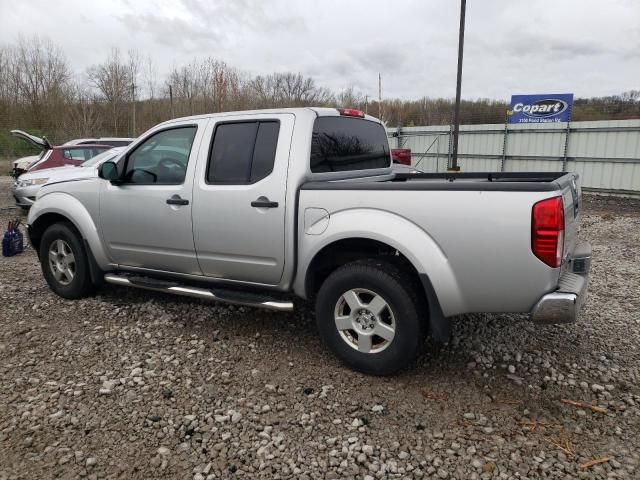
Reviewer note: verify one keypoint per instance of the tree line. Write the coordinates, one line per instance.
(124, 96)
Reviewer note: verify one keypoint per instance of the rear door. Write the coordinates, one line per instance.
(239, 198)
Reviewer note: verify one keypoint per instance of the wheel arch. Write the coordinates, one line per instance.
(60, 207)
(383, 233)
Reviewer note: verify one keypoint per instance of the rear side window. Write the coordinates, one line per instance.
(81, 154)
(77, 154)
(242, 152)
(340, 144)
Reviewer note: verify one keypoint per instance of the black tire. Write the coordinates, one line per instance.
(398, 290)
(79, 284)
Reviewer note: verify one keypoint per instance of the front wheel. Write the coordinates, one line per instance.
(370, 315)
(64, 262)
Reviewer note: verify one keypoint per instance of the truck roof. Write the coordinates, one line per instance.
(317, 111)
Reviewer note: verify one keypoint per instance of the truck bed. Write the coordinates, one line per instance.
(480, 181)
(479, 225)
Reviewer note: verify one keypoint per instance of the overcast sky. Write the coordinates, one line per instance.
(588, 48)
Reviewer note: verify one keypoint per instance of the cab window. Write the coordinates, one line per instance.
(243, 152)
(162, 158)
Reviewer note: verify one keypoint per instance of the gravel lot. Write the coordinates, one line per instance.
(131, 384)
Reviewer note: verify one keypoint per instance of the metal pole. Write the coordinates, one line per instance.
(566, 147)
(456, 119)
(171, 100)
(449, 146)
(504, 143)
(133, 113)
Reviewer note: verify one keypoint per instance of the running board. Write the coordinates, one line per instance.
(216, 294)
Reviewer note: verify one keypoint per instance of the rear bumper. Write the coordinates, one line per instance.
(564, 304)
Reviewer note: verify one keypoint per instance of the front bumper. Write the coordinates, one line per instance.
(564, 304)
(25, 196)
(16, 172)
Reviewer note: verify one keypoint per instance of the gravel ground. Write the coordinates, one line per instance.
(130, 384)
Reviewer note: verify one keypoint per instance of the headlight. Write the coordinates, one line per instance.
(32, 181)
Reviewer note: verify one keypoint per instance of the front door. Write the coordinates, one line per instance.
(146, 216)
(239, 198)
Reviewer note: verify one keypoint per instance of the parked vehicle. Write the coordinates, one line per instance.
(401, 156)
(248, 207)
(52, 157)
(113, 141)
(27, 185)
(23, 164)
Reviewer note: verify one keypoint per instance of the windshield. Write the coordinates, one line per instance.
(102, 157)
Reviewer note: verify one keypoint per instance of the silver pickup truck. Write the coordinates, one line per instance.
(250, 207)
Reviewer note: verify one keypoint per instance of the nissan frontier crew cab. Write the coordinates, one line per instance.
(251, 207)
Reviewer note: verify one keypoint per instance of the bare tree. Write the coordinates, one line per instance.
(41, 70)
(84, 116)
(150, 77)
(351, 98)
(112, 80)
(134, 64)
(186, 83)
(288, 89)
(36, 79)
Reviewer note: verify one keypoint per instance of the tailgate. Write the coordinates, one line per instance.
(572, 200)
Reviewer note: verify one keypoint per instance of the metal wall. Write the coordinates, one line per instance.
(606, 154)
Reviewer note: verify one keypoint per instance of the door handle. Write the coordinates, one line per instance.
(263, 202)
(176, 200)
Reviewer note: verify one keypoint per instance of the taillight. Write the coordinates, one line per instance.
(351, 112)
(401, 155)
(547, 231)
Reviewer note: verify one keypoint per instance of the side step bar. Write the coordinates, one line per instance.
(216, 294)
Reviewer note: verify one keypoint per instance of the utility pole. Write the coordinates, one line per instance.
(171, 100)
(380, 113)
(220, 88)
(133, 107)
(456, 118)
(366, 104)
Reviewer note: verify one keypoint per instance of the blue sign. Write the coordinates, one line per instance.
(540, 108)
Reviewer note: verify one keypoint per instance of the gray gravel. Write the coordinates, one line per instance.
(130, 384)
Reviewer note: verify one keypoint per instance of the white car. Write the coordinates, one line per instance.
(27, 185)
(21, 164)
(113, 141)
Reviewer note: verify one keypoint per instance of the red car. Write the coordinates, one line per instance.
(52, 157)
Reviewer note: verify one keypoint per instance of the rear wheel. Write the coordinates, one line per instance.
(64, 262)
(370, 314)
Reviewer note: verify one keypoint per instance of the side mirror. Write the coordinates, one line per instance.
(108, 171)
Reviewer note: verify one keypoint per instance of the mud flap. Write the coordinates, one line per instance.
(439, 325)
(96, 274)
